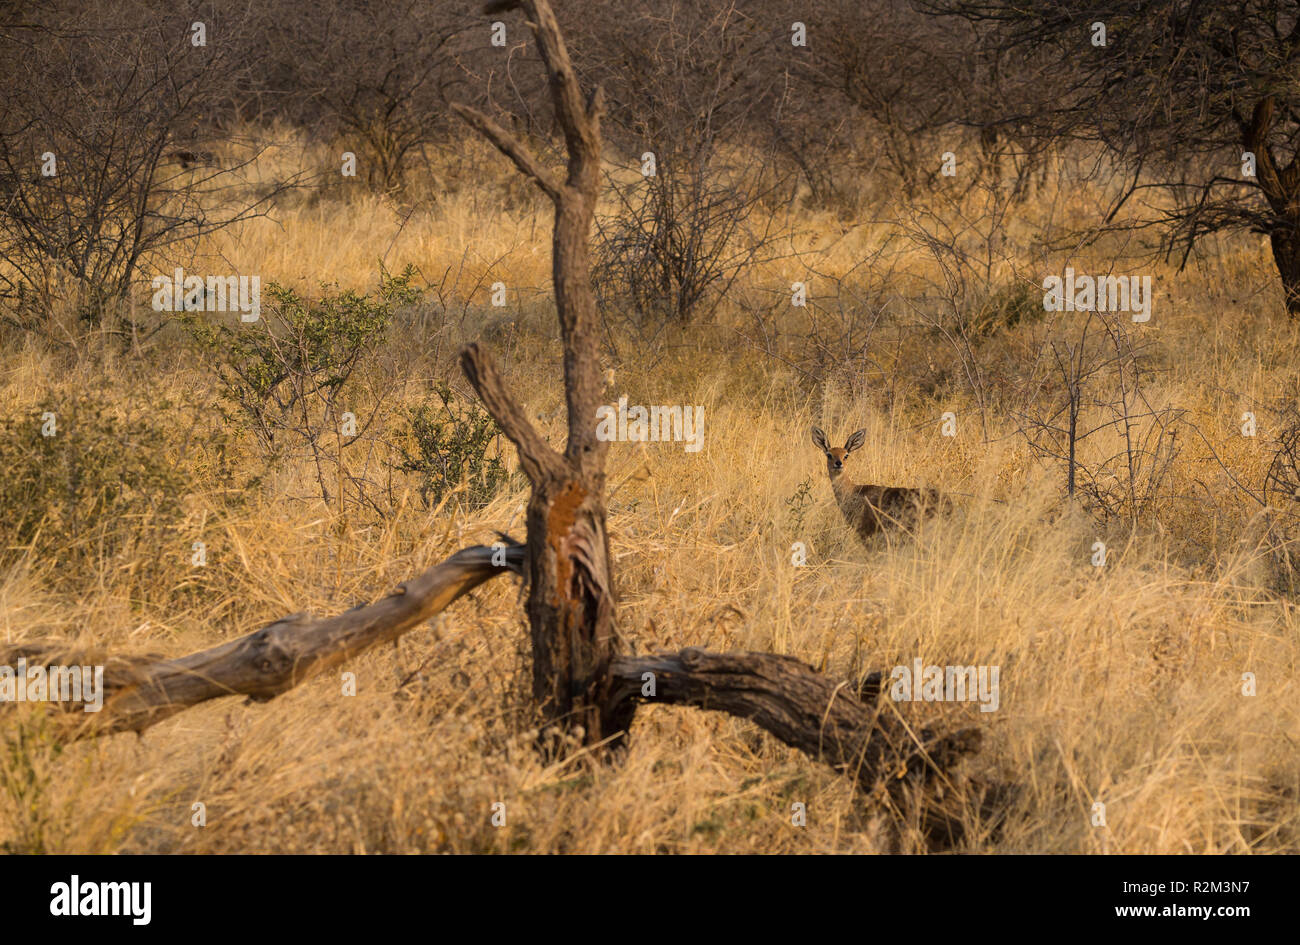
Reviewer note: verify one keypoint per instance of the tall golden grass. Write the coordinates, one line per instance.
(1120, 685)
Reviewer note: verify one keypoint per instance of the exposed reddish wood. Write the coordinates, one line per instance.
(571, 597)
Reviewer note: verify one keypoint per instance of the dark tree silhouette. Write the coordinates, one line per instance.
(1199, 99)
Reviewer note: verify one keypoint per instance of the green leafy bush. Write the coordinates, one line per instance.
(446, 444)
(284, 372)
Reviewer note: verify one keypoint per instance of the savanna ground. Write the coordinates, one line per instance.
(1120, 684)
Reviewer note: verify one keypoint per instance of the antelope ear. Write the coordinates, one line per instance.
(855, 441)
(819, 440)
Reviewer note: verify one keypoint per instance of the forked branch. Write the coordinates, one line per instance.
(578, 117)
(575, 204)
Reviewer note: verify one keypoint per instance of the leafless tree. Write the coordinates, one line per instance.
(1197, 100)
(377, 78)
(1095, 385)
(94, 138)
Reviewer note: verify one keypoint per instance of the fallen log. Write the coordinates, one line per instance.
(142, 691)
(801, 707)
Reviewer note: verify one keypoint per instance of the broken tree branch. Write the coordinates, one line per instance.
(142, 692)
(575, 204)
(857, 736)
(570, 587)
(511, 147)
(536, 456)
(798, 705)
(578, 117)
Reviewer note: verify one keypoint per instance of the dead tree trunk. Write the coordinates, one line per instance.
(580, 678)
(570, 598)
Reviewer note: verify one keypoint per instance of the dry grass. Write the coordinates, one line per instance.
(1120, 684)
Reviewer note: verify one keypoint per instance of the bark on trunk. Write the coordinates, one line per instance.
(1286, 256)
(823, 718)
(571, 597)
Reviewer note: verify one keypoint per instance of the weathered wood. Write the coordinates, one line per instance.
(142, 692)
(801, 707)
(856, 734)
(536, 457)
(511, 147)
(571, 596)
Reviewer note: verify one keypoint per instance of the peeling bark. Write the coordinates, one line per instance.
(571, 596)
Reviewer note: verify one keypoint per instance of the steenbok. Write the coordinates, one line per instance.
(872, 509)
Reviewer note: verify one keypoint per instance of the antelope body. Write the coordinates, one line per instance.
(872, 509)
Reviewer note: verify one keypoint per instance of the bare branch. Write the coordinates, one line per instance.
(142, 692)
(579, 119)
(803, 708)
(511, 147)
(536, 456)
